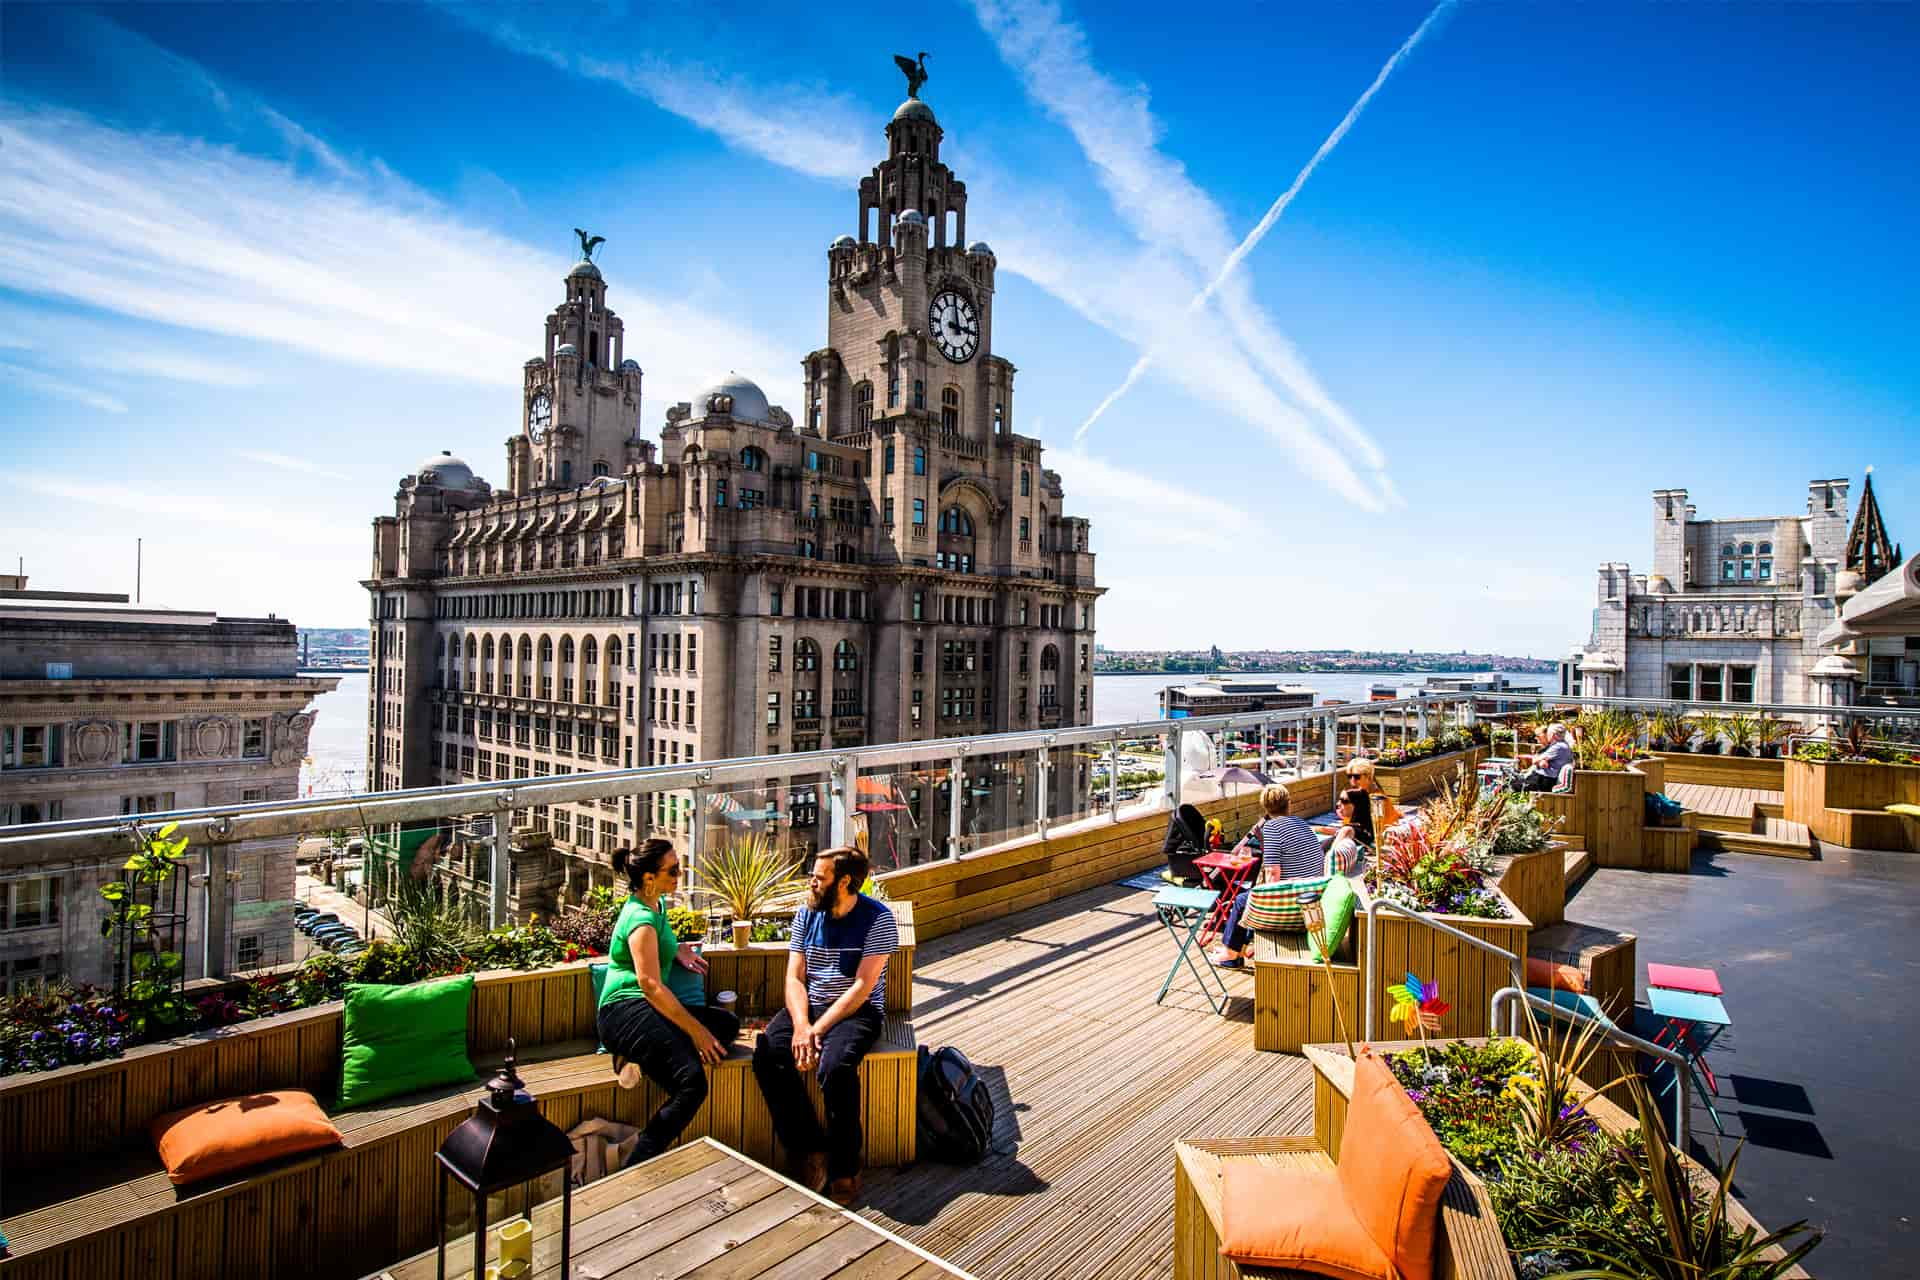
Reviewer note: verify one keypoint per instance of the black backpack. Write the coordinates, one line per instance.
(956, 1108)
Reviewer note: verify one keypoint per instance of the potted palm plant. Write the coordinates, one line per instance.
(1709, 727)
(1770, 733)
(746, 876)
(1668, 731)
(1741, 732)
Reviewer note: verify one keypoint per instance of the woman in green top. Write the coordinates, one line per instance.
(653, 1012)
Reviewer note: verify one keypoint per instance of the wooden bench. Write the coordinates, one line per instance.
(1606, 956)
(1469, 1246)
(1293, 1002)
(344, 1212)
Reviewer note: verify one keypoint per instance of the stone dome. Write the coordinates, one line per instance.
(566, 349)
(912, 217)
(448, 472)
(536, 362)
(842, 242)
(749, 401)
(913, 109)
(629, 365)
(981, 247)
(586, 269)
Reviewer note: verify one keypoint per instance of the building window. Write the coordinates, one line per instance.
(246, 952)
(751, 459)
(33, 903)
(253, 739)
(1026, 482)
(751, 498)
(950, 408)
(773, 711)
(863, 405)
(774, 601)
(888, 513)
(1680, 683)
(26, 974)
(919, 605)
(920, 512)
(919, 394)
(1739, 684)
(145, 741)
(886, 459)
(773, 653)
(919, 656)
(32, 746)
(1026, 529)
(1764, 570)
(1712, 687)
(917, 698)
(1729, 563)
(920, 461)
(719, 493)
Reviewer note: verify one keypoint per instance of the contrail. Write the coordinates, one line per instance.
(1259, 232)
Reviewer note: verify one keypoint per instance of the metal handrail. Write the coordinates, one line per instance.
(1611, 1030)
(1373, 952)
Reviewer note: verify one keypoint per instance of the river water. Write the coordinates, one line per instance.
(339, 741)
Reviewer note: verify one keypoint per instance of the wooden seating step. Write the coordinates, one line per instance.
(1606, 956)
(1778, 838)
(1579, 863)
(121, 1206)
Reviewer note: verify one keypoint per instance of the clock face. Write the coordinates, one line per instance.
(955, 326)
(540, 412)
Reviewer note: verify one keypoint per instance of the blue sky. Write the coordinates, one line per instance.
(256, 262)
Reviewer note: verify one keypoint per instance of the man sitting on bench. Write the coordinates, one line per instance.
(1548, 765)
(836, 1001)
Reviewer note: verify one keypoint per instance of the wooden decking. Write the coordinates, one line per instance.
(1744, 819)
(1095, 1083)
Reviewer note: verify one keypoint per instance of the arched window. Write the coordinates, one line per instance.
(999, 419)
(546, 668)
(1049, 659)
(806, 656)
(486, 665)
(1764, 572)
(751, 459)
(566, 668)
(524, 684)
(919, 460)
(1746, 562)
(846, 657)
(956, 520)
(863, 405)
(950, 408)
(1026, 482)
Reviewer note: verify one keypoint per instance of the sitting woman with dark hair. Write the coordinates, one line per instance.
(653, 1012)
(1354, 836)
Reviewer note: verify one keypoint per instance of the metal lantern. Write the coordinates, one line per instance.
(504, 1144)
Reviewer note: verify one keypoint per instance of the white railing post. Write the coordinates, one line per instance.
(1113, 779)
(1330, 741)
(498, 872)
(1264, 726)
(843, 786)
(1176, 741)
(1045, 762)
(697, 832)
(956, 796)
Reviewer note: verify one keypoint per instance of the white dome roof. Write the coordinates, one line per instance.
(913, 109)
(980, 246)
(629, 364)
(447, 471)
(566, 349)
(749, 401)
(913, 216)
(841, 242)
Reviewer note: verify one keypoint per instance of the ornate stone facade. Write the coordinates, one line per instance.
(897, 566)
(111, 711)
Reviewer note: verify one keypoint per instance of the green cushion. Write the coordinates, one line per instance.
(598, 972)
(1337, 903)
(400, 1039)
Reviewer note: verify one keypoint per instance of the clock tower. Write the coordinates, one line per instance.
(909, 309)
(580, 402)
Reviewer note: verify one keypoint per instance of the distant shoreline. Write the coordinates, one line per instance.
(1544, 669)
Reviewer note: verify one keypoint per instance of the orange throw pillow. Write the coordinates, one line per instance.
(1392, 1169)
(237, 1133)
(1272, 1217)
(1550, 976)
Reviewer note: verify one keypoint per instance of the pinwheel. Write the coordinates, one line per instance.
(1417, 1004)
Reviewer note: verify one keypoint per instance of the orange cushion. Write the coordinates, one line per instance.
(1273, 1217)
(238, 1133)
(1392, 1169)
(1552, 976)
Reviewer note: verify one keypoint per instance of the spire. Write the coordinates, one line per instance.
(1869, 551)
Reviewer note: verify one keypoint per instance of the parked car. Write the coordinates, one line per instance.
(335, 931)
(317, 922)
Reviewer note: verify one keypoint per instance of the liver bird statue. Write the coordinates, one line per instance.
(916, 75)
(588, 244)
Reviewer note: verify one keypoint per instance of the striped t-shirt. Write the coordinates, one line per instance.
(835, 946)
(1289, 844)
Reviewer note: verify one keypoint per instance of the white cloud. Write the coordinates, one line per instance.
(34, 382)
(219, 510)
(176, 230)
(287, 462)
(176, 367)
(1166, 513)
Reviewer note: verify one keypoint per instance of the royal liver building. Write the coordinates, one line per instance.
(896, 565)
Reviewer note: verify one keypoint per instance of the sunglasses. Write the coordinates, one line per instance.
(672, 872)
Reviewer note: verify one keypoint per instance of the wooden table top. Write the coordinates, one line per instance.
(702, 1210)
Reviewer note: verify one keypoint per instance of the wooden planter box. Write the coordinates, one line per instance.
(1333, 1086)
(1411, 781)
(1653, 771)
(1844, 802)
(1294, 1001)
(1536, 883)
(757, 973)
(1606, 811)
(1467, 976)
(1748, 773)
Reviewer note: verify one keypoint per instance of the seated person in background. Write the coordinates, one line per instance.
(1354, 836)
(1289, 850)
(836, 1002)
(653, 1013)
(1360, 775)
(1547, 766)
